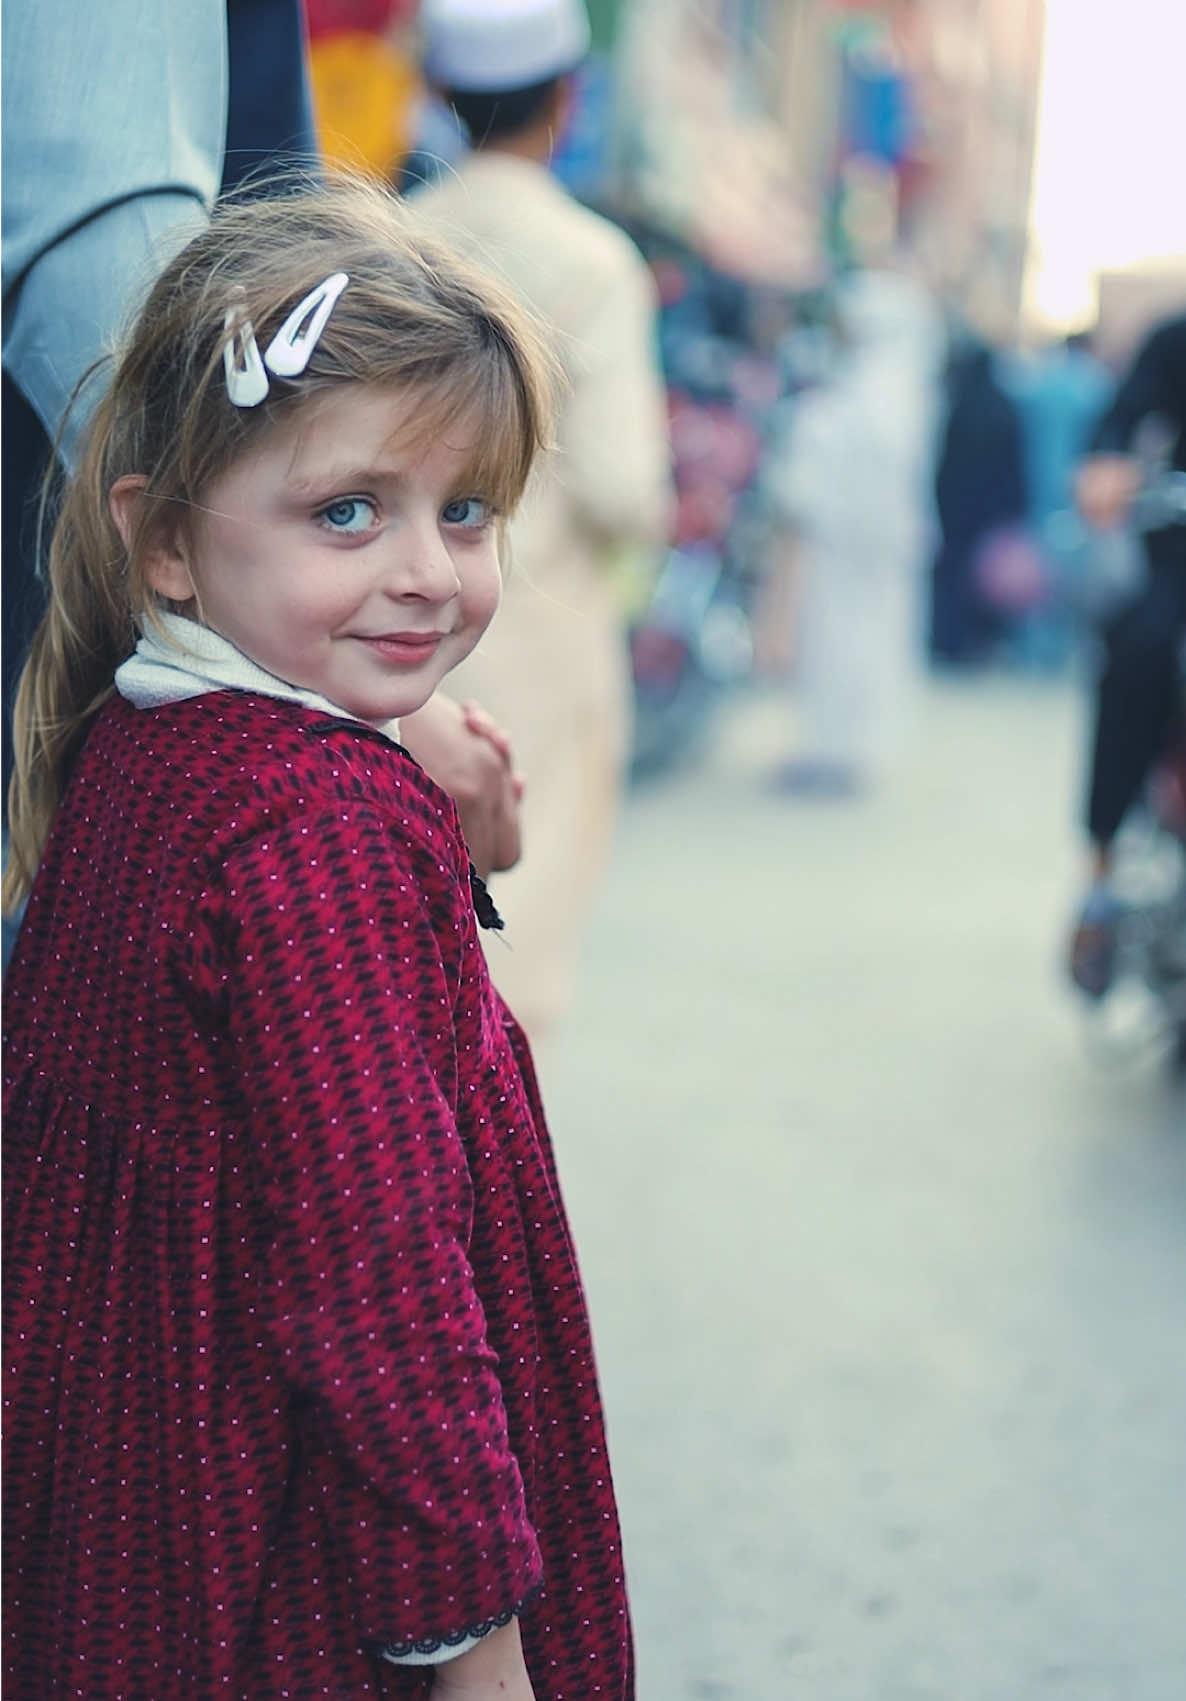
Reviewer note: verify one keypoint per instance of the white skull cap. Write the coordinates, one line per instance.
(487, 46)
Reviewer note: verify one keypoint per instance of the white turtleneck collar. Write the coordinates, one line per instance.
(184, 659)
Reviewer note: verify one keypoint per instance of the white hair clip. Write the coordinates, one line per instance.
(246, 380)
(289, 351)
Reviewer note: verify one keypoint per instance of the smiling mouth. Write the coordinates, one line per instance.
(403, 646)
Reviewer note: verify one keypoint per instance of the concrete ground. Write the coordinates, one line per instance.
(887, 1270)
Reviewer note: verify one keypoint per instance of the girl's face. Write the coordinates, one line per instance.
(346, 563)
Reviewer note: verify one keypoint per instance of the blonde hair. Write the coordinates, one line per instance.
(414, 315)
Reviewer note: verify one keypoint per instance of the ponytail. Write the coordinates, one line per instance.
(87, 630)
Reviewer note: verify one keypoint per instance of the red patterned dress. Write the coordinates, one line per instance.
(297, 1363)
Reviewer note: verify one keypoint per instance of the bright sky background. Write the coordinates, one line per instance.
(1110, 169)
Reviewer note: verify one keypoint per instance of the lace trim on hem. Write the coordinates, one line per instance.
(475, 1632)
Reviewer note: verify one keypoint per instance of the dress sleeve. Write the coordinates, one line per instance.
(340, 1006)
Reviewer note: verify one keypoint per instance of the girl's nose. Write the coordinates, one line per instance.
(422, 567)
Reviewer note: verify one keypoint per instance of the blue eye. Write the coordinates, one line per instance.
(466, 511)
(349, 514)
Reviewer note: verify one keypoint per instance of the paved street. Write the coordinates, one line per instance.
(887, 1272)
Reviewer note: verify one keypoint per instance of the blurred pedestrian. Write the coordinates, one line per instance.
(553, 668)
(1061, 391)
(1139, 709)
(114, 121)
(300, 1395)
(981, 498)
(856, 486)
(93, 207)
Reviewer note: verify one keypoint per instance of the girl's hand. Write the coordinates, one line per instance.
(467, 754)
(482, 726)
(492, 1671)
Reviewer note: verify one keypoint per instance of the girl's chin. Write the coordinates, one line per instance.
(379, 714)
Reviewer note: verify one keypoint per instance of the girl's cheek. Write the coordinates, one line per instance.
(485, 594)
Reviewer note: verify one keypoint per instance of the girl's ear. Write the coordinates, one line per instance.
(165, 565)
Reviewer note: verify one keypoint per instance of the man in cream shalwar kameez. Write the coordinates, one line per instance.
(553, 668)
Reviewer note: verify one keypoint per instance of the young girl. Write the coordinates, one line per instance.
(300, 1389)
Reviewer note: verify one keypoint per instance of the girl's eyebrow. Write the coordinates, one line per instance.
(342, 478)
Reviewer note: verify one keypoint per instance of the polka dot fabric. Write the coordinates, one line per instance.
(297, 1361)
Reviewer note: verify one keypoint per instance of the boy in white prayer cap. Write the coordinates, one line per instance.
(553, 667)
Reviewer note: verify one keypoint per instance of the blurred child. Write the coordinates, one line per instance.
(554, 670)
(301, 1395)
